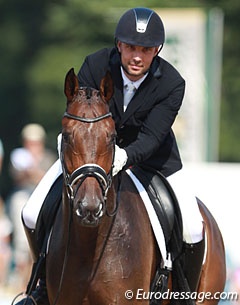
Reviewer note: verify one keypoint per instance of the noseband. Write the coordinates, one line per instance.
(87, 170)
(83, 172)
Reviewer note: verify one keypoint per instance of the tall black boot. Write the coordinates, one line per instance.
(193, 255)
(39, 294)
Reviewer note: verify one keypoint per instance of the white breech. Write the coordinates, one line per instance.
(191, 216)
(33, 206)
(192, 220)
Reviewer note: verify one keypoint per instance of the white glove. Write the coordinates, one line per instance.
(120, 159)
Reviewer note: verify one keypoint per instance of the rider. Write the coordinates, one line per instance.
(143, 125)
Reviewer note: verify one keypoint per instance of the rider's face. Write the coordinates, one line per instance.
(136, 60)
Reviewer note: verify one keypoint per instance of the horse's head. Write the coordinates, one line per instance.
(87, 151)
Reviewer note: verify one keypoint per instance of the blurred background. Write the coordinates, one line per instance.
(42, 40)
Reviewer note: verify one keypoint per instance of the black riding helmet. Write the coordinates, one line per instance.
(140, 27)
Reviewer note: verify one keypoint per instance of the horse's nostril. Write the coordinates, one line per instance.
(99, 212)
(79, 212)
(81, 209)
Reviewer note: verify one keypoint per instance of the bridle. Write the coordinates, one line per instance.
(87, 120)
(78, 176)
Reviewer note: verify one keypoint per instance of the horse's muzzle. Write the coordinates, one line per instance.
(90, 218)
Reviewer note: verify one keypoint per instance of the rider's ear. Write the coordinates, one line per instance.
(106, 87)
(71, 84)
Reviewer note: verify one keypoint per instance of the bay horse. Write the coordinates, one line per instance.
(102, 244)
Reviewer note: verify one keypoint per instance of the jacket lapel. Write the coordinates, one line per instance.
(118, 87)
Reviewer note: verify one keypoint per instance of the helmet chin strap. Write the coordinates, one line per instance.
(159, 49)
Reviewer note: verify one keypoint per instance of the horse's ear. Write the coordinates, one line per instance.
(71, 84)
(106, 87)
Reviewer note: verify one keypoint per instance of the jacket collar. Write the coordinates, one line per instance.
(126, 80)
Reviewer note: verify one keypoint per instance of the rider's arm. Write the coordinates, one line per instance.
(156, 129)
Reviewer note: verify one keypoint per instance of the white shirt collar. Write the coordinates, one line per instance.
(136, 84)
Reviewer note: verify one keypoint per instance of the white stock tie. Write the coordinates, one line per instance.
(130, 89)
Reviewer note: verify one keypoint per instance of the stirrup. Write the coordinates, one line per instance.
(38, 296)
(25, 300)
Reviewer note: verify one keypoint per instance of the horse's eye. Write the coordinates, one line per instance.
(65, 137)
(113, 138)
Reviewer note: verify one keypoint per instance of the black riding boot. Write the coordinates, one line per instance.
(39, 295)
(192, 263)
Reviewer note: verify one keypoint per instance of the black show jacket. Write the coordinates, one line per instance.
(144, 129)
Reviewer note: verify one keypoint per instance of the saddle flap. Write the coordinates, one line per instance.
(48, 212)
(160, 198)
(165, 204)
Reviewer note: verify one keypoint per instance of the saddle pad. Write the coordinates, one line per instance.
(157, 229)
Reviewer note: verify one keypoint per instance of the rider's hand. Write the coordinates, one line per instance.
(120, 159)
